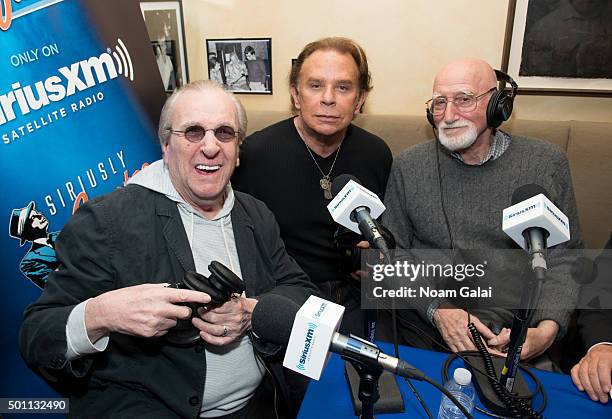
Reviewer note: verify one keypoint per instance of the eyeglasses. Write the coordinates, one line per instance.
(465, 102)
(195, 133)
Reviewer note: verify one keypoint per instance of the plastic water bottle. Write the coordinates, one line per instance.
(461, 387)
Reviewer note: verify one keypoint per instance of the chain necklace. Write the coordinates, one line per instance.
(325, 181)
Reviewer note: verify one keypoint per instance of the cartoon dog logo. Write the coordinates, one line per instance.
(29, 225)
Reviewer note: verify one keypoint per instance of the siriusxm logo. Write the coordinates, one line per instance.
(522, 211)
(348, 192)
(320, 310)
(307, 344)
(555, 215)
(69, 80)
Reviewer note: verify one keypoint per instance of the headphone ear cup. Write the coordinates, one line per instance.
(220, 285)
(501, 103)
(505, 107)
(224, 278)
(430, 117)
(199, 282)
(493, 117)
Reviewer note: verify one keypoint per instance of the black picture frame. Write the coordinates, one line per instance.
(558, 74)
(241, 65)
(164, 22)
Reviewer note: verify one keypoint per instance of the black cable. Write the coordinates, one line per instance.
(396, 350)
(450, 233)
(517, 406)
(539, 387)
(445, 346)
(418, 397)
(258, 359)
(492, 375)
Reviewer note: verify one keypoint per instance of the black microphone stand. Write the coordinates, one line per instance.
(520, 325)
(369, 372)
(522, 318)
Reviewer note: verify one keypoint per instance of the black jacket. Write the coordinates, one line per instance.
(129, 237)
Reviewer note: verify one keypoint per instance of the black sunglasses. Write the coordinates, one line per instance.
(195, 133)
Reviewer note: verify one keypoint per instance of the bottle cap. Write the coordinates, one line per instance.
(462, 376)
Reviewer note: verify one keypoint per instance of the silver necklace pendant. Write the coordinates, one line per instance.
(326, 186)
(324, 182)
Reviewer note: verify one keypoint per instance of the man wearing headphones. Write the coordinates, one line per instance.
(450, 193)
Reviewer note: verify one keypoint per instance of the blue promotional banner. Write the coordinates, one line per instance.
(71, 128)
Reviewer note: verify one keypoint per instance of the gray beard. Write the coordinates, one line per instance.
(460, 142)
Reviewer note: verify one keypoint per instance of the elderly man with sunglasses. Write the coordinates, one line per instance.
(449, 193)
(101, 325)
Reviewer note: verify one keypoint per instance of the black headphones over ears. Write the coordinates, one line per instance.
(500, 105)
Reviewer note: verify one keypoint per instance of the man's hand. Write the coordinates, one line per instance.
(147, 310)
(358, 275)
(537, 341)
(592, 373)
(452, 323)
(227, 323)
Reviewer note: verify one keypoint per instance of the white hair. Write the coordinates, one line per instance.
(202, 86)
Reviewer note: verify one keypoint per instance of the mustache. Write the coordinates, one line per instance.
(457, 124)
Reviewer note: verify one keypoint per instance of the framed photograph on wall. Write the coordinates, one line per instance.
(242, 65)
(164, 22)
(559, 47)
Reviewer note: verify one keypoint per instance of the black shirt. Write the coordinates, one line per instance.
(276, 168)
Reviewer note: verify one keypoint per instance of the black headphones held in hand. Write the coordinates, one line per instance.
(221, 285)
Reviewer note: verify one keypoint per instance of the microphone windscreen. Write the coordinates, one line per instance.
(527, 191)
(340, 181)
(272, 318)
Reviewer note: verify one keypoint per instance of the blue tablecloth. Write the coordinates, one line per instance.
(330, 398)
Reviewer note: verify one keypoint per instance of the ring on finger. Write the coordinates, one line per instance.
(225, 330)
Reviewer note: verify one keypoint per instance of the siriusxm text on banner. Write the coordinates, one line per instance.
(71, 129)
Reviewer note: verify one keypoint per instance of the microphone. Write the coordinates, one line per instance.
(535, 223)
(355, 207)
(309, 332)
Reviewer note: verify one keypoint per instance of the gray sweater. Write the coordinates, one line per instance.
(474, 197)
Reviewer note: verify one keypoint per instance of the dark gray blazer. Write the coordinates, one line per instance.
(129, 237)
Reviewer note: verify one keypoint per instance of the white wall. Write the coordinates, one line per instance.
(406, 41)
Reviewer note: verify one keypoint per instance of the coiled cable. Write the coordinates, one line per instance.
(518, 407)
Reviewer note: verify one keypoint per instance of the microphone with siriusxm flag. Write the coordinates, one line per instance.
(310, 333)
(534, 223)
(356, 207)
